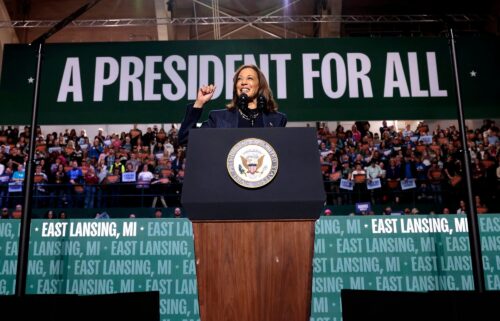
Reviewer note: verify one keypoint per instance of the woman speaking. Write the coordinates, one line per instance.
(252, 105)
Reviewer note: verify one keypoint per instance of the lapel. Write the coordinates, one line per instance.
(268, 120)
(232, 118)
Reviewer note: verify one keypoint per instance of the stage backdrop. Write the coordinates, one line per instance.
(312, 79)
(412, 253)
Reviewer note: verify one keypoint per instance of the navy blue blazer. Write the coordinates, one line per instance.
(222, 118)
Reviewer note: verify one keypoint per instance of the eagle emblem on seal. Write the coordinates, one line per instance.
(251, 164)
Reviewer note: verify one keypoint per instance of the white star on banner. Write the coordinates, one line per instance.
(473, 73)
(31, 80)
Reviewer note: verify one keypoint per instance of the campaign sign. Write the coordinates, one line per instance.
(408, 184)
(128, 177)
(373, 183)
(426, 139)
(346, 184)
(15, 187)
(363, 207)
(54, 150)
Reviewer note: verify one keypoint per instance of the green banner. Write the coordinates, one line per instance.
(312, 79)
(87, 257)
(411, 253)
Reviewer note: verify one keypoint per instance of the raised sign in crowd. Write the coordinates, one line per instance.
(361, 166)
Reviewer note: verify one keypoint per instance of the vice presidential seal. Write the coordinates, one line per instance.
(252, 163)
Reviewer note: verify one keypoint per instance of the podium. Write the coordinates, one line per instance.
(253, 246)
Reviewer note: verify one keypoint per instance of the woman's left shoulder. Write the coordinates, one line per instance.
(277, 114)
(277, 119)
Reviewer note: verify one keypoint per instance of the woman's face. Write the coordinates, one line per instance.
(248, 83)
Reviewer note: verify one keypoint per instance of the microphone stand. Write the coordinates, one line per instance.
(23, 254)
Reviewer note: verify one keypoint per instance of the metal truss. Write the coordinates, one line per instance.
(249, 20)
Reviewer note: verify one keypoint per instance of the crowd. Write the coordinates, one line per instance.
(146, 169)
(414, 165)
(73, 170)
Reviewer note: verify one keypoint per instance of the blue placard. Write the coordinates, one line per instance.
(426, 139)
(346, 184)
(363, 207)
(15, 187)
(128, 177)
(373, 183)
(408, 184)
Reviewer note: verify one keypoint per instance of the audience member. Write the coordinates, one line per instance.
(177, 212)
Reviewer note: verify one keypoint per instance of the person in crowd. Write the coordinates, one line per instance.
(144, 179)
(127, 143)
(15, 158)
(160, 186)
(5, 213)
(40, 187)
(91, 181)
(481, 208)
(4, 186)
(435, 177)
(252, 105)
(49, 215)
(16, 195)
(177, 212)
(393, 176)
(358, 175)
(18, 211)
(462, 207)
(75, 179)
(452, 170)
(172, 133)
(96, 149)
(117, 165)
(145, 176)
(374, 171)
(58, 190)
(407, 132)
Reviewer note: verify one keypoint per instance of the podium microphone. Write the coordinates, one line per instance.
(261, 103)
(243, 103)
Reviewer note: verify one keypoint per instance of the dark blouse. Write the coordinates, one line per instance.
(246, 123)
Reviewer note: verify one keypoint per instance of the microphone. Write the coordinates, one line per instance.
(242, 102)
(261, 103)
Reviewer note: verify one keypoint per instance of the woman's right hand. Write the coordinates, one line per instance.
(205, 93)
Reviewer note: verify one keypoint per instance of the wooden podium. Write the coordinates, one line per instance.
(254, 247)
